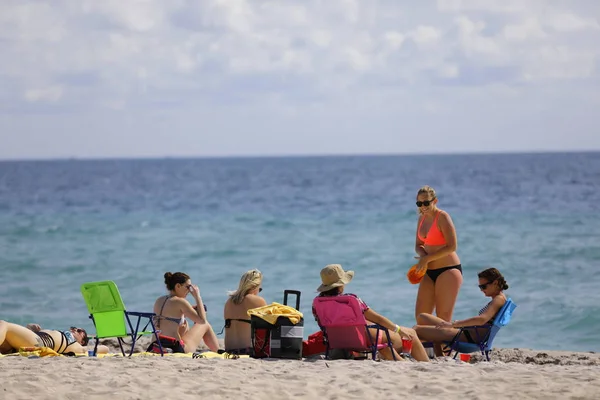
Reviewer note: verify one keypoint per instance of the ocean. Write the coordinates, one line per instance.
(533, 216)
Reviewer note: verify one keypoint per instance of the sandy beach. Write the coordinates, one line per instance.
(521, 373)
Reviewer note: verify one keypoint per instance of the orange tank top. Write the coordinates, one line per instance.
(434, 237)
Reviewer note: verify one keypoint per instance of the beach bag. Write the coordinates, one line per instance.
(168, 343)
(283, 339)
(314, 345)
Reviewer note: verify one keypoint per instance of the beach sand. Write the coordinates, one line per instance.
(520, 373)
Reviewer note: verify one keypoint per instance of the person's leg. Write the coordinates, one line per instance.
(210, 339)
(425, 297)
(386, 354)
(196, 334)
(447, 286)
(428, 319)
(418, 351)
(16, 336)
(430, 333)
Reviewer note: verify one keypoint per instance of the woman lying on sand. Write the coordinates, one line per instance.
(13, 336)
(334, 278)
(237, 323)
(172, 310)
(433, 329)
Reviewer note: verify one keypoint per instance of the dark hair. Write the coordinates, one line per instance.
(173, 279)
(331, 292)
(85, 339)
(492, 274)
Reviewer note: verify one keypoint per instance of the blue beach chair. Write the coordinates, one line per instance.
(483, 342)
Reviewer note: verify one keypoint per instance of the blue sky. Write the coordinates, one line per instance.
(113, 78)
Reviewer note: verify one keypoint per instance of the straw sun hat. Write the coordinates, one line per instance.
(333, 276)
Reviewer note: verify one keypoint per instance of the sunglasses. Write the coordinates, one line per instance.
(425, 203)
(259, 290)
(484, 286)
(85, 339)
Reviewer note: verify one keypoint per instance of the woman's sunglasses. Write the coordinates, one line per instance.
(85, 340)
(425, 203)
(484, 286)
(259, 290)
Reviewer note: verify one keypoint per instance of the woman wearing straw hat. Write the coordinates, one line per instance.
(333, 281)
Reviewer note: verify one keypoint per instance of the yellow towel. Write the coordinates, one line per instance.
(38, 352)
(272, 311)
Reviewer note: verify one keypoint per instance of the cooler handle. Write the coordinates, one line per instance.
(285, 297)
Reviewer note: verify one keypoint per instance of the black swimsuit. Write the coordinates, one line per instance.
(490, 322)
(46, 340)
(228, 321)
(435, 273)
(245, 350)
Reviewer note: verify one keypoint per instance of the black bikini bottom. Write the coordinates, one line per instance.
(435, 273)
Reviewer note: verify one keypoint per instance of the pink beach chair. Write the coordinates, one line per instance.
(345, 327)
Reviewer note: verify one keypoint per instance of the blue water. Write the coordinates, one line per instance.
(534, 216)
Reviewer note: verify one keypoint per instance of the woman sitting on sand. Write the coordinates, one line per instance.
(13, 336)
(333, 280)
(237, 323)
(172, 310)
(433, 329)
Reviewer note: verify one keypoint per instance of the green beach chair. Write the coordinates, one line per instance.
(110, 318)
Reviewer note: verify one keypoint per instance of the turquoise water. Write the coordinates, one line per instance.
(534, 216)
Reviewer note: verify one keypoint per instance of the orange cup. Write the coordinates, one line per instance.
(465, 357)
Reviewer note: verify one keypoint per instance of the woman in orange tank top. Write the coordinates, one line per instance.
(436, 248)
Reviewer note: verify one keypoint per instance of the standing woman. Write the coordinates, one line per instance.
(436, 246)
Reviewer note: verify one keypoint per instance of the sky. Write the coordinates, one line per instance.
(177, 78)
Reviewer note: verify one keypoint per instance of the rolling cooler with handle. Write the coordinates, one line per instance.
(280, 340)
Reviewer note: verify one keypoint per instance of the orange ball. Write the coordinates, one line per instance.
(413, 276)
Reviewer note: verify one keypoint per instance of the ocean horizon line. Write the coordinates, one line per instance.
(293, 156)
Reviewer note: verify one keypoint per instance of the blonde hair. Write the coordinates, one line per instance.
(429, 191)
(249, 281)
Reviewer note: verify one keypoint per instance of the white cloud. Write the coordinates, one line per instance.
(448, 71)
(529, 29)
(313, 60)
(569, 22)
(425, 35)
(48, 94)
(394, 39)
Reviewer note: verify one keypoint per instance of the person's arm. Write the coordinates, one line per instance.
(34, 327)
(447, 227)
(379, 319)
(76, 348)
(197, 313)
(479, 320)
(419, 245)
